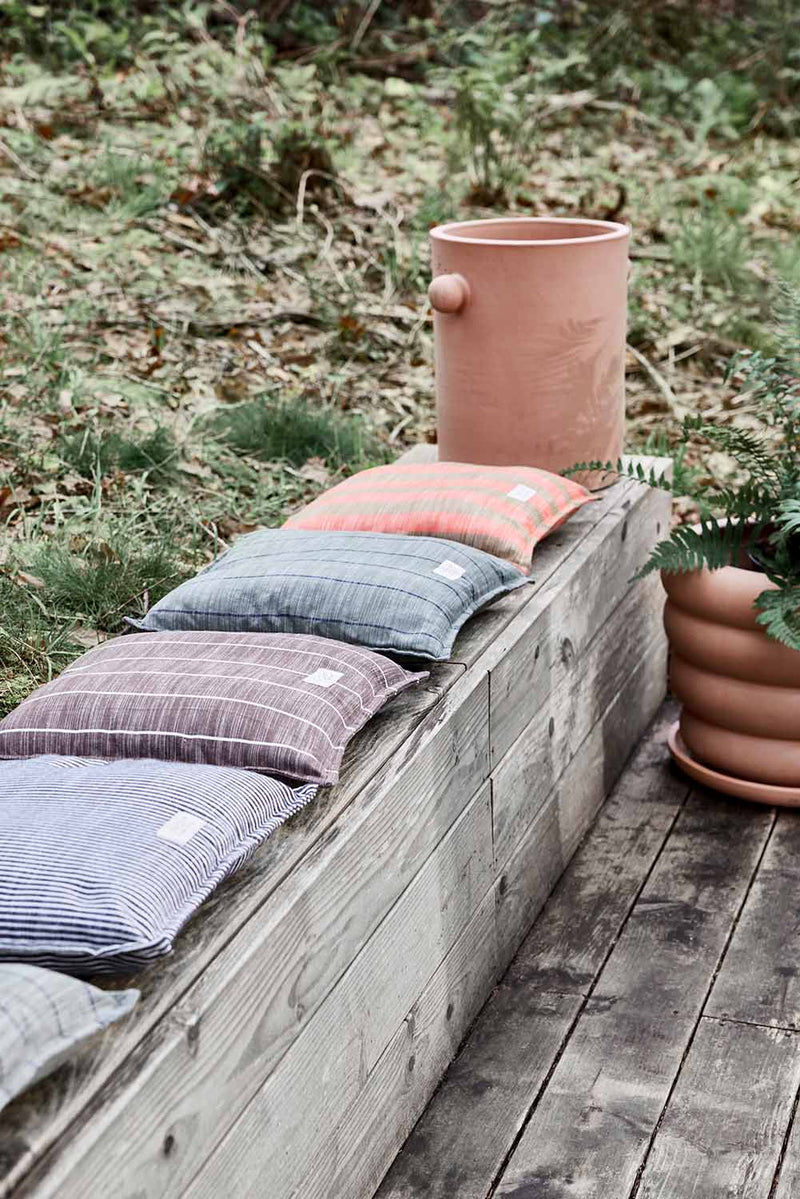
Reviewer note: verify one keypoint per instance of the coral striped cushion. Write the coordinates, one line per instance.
(504, 510)
(279, 702)
(104, 862)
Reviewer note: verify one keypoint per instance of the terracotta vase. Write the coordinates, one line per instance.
(529, 328)
(739, 688)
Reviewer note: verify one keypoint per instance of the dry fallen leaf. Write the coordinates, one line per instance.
(22, 576)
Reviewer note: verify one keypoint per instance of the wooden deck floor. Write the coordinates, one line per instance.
(646, 1040)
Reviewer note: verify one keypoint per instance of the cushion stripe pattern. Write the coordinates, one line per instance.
(140, 845)
(281, 703)
(504, 510)
(407, 595)
(44, 1016)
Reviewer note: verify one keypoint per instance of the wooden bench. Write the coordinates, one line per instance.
(289, 1044)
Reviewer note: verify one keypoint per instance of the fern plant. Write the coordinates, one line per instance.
(760, 515)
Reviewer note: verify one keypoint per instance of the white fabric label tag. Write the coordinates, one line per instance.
(521, 492)
(323, 678)
(450, 570)
(180, 828)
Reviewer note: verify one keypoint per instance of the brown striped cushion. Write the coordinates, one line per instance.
(278, 702)
(504, 510)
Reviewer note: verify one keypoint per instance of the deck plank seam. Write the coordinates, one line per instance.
(795, 1031)
(590, 990)
(776, 1177)
(637, 1182)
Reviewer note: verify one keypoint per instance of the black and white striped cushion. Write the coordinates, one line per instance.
(102, 863)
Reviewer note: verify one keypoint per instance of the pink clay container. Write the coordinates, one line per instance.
(529, 326)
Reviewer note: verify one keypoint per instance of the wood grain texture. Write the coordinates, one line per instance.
(589, 1134)
(352, 1162)
(459, 1145)
(329, 1063)
(760, 978)
(231, 1030)
(538, 649)
(632, 636)
(526, 878)
(724, 1127)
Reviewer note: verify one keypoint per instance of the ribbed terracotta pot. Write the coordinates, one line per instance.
(739, 688)
(529, 332)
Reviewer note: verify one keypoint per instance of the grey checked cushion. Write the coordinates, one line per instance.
(102, 863)
(282, 703)
(43, 1017)
(408, 595)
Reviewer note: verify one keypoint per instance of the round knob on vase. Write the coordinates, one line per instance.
(448, 293)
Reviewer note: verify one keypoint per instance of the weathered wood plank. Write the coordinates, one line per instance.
(32, 1125)
(301, 1103)
(352, 1162)
(759, 980)
(538, 648)
(590, 1131)
(526, 878)
(631, 635)
(724, 1127)
(230, 1031)
(459, 1145)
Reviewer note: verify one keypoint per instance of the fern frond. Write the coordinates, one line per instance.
(779, 614)
(623, 469)
(788, 517)
(688, 548)
(752, 452)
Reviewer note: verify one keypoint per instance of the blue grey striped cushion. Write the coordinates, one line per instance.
(44, 1015)
(408, 595)
(102, 863)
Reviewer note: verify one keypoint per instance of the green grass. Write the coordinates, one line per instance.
(296, 430)
(92, 455)
(35, 644)
(104, 582)
(715, 247)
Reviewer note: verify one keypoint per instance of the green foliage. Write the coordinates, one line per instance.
(711, 544)
(92, 455)
(712, 245)
(34, 644)
(294, 431)
(779, 614)
(760, 515)
(494, 112)
(105, 581)
(714, 67)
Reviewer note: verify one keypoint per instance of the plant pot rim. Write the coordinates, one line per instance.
(468, 232)
(728, 784)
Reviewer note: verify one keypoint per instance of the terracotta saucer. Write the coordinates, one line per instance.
(766, 793)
